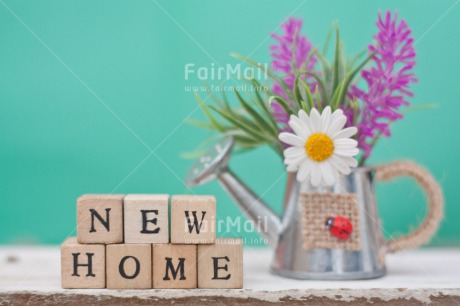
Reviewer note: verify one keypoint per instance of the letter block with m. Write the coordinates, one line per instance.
(100, 218)
(82, 265)
(174, 266)
(193, 219)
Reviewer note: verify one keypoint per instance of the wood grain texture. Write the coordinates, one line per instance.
(90, 229)
(129, 266)
(201, 209)
(220, 265)
(182, 259)
(146, 218)
(84, 277)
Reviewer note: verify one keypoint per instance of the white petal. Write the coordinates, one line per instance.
(291, 139)
(295, 160)
(292, 168)
(339, 163)
(304, 171)
(345, 133)
(336, 125)
(345, 143)
(315, 121)
(305, 119)
(337, 113)
(346, 152)
(325, 119)
(315, 175)
(300, 128)
(294, 152)
(294, 164)
(350, 161)
(327, 173)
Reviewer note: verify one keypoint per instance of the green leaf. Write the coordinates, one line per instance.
(241, 125)
(298, 94)
(310, 99)
(278, 80)
(328, 37)
(337, 59)
(264, 106)
(208, 114)
(413, 108)
(325, 67)
(349, 78)
(254, 114)
(287, 108)
(201, 124)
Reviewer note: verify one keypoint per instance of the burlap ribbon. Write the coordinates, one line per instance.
(434, 196)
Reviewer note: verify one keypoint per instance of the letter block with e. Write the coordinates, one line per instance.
(193, 219)
(82, 265)
(174, 266)
(100, 218)
(220, 265)
(129, 266)
(146, 218)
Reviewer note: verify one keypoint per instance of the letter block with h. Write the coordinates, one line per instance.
(100, 218)
(193, 219)
(82, 265)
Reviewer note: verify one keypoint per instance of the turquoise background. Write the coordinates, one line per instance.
(89, 89)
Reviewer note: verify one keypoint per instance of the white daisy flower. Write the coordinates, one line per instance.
(320, 147)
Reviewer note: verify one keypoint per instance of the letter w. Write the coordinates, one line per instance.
(195, 221)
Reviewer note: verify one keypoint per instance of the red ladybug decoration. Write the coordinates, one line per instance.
(339, 227)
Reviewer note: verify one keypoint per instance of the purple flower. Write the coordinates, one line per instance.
(388, 80)
(282, 54)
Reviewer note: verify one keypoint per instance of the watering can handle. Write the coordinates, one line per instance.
(435, 203)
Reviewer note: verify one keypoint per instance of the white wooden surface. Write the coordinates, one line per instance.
(32, 275)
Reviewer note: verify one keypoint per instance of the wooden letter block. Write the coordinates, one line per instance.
(193, 219)
(100, 218)
(129, 266)
(82, 265)
(146, 218)
(174, 266)
(220, 265)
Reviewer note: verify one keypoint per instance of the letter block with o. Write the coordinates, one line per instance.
(193, 219)
(82, 265)
(129, 266)
(146, 218)
(100, 218)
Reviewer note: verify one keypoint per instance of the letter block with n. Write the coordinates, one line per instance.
(193, 219)
(82, 265)
(174, 266)
(146, 218)
(100, 218)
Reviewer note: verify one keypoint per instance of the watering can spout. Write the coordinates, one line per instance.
(213, 165)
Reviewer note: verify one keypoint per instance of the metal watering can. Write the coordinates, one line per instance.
(286, 234)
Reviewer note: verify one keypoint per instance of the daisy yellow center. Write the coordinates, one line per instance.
(319, 147)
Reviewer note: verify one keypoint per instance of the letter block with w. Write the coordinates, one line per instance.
(193, 219)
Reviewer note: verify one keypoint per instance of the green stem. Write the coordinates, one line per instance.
(374, 141)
